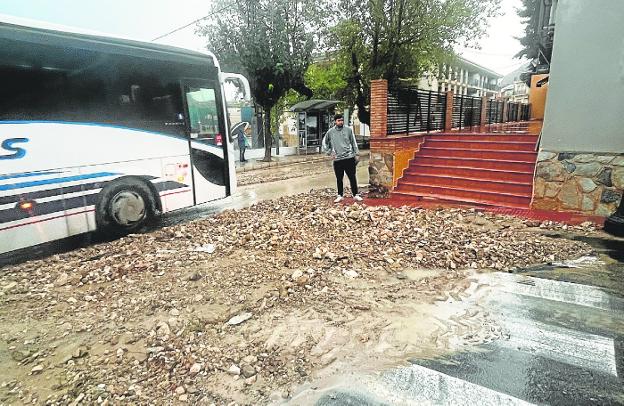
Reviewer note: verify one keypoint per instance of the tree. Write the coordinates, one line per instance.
(270, 42)
(531, 39)
(394, 39)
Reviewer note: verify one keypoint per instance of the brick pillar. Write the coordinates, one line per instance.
(379, 108)
(448, 123)
(484, 110)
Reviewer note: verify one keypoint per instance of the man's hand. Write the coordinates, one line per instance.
(333, 155)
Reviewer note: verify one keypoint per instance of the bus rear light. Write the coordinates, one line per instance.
(219, 140)
(26, 205)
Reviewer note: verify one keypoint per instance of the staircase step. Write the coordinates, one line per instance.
(501, 186)
(479, 153)
(482, 145)
(449, 199)
(475, 163)
(464, 195)
(483, 137)
(475, 173)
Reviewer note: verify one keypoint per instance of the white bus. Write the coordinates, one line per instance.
(101, 134)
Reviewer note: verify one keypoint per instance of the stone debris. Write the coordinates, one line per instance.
(240, 319)
(206, 249)
(246, 304)
(234, 370)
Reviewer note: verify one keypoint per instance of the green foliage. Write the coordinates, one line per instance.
(327, 79)
(395, 39)
(270, 42)
(531, 39)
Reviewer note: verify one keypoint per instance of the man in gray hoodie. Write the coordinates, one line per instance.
(340, 143)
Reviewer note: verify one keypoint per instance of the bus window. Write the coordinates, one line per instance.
(203, 116)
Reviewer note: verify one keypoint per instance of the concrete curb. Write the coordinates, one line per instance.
(254, 164)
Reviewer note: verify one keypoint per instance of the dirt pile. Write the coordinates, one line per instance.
(242, 306)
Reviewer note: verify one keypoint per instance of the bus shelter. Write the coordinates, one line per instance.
(314, 119)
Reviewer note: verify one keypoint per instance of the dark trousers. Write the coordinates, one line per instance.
(242, 153)
(348, 166)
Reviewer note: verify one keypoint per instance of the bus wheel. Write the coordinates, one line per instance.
(124, 207)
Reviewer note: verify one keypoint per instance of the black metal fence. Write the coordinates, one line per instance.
(466, 111)
(413, 110)
(495, 111)
(525, 112)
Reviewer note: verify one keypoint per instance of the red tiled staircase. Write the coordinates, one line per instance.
(492, 170)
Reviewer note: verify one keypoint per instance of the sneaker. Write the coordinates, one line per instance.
(357, 198)
(339, 199)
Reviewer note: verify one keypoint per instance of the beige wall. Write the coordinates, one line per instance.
(537, 97)
(585, 107)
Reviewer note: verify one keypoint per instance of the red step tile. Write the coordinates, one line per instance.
(483, 137)
(475, 163)
(463, 182)
(463, 195)
(482, 145)
(479, 153)
(475, 173)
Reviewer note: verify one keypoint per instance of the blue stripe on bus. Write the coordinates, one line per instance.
(28, 175)
(55, 180)
(119, 127)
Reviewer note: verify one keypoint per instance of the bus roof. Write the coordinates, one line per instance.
(42, 32)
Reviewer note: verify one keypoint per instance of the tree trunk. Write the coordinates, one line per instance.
(268, 137)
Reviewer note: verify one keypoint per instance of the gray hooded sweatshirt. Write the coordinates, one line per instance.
(340, 141)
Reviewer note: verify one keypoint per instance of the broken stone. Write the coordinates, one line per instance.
(350, 274)
(163, 329)
(195, 369)
(194, 276)
(241, 318)
(234, 370)
(247, 371)
(37, 369)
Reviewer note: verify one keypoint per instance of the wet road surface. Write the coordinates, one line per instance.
(564, 345)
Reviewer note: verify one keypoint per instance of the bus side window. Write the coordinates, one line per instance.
(203, 116)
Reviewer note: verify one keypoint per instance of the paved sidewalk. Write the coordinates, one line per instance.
(255, 164)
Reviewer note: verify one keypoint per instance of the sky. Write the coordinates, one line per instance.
(148, 19)
(498, 47)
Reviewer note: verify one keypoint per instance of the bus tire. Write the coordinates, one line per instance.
(124, 207)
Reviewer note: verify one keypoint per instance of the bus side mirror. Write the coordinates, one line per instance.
(240, 83)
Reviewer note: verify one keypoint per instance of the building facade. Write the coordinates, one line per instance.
(581, 161)
(513, 87)
(463, 77)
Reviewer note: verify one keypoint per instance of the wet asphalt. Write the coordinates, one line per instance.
(563, 345)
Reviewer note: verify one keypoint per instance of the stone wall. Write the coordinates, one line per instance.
(587, 183)
(381, 173)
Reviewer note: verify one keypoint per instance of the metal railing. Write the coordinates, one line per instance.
(411, 110)
(414, 110)
(495, 111)
(466, 111)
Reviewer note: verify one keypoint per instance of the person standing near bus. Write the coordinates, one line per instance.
(340, 143)
(242, 141)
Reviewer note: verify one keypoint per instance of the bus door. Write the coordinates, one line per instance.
(205, 128)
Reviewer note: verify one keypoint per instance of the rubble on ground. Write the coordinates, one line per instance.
(242, 306)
